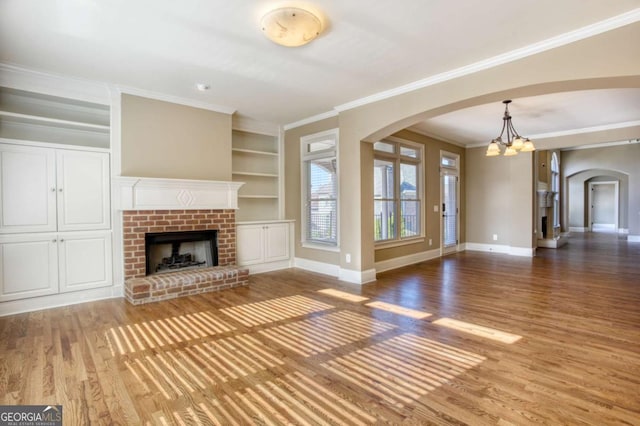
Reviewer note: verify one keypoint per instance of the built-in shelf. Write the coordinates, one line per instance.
(259, 198)
(253, 151)
(36, 117)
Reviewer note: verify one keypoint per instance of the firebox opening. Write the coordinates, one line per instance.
(177, 251)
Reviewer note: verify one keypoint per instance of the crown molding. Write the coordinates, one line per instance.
(583, 130)
(601, 145)
(312, 119)
(532, 49)
(250, 125)
(175, 99)
(26, 79)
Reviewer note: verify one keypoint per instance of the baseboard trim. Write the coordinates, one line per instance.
(502, 249)
(624, 231)
(315, 266)
(578, 229)
(410, 259)
(13, 307)
(633, 239)
(267, 267)
(357, 277)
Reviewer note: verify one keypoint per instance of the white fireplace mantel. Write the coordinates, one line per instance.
(141, 193)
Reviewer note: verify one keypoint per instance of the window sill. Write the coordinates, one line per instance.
(324, 247)
(398, 243)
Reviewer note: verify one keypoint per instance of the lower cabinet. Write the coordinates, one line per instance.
(264, 246)
(41, 264)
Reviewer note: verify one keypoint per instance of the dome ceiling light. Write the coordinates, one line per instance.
(291, 26)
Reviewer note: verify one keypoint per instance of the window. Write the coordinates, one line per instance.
(319, 170)
(397, 190)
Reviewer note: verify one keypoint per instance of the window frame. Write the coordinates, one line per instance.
(305, 156)
(398, 160)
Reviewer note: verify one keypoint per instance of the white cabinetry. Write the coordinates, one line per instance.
(40, 264)
(45, 189)
(264, 246)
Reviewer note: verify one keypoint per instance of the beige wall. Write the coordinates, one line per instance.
(166, 140)
(605, 60)
(293, 189)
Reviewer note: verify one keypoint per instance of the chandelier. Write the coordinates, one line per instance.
(513, 142)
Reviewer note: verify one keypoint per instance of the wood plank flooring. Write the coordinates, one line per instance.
(472, 338)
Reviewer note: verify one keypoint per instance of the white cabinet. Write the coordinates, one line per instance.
(27, 189)
(28, 266)
(40, 264)
(264, 246)
(44, 189)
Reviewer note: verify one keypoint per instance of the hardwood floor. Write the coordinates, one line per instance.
(472, 338)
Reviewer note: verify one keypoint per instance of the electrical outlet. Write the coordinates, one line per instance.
(435, 208)
(495, 237)
(430, 242)
(347, 257)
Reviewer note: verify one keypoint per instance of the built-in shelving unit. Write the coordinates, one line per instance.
(37, 117)
(256, 162)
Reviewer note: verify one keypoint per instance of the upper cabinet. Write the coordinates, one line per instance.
(257, 163)
(48, 190)
(38, 117)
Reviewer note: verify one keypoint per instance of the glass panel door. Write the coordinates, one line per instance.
(449, 213)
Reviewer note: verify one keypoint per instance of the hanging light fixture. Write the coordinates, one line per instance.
(291, 26)
(513, 142)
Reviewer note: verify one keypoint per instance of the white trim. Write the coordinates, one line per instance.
(175, 99)
(26, 142)
(503, 249)
(578, 229)
(268, 267)
(46, 83)
(245, 124)
(318, 246)
(623, 231)
(385, 244)
(532, 49)
(311, 119)
(583, 130)
(136, 193)
(315, 266)
(61, 299)
(601, 145)
(410, 259)
(633, 239)
(608, 227)
(357, 277)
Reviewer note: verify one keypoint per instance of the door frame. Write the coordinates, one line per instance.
(616, 206)
(449, 171)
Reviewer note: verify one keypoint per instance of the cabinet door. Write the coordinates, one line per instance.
(27, 186)
(276, 242)
(85, 260)
(28, 266)
(250, 244)
(83, 190)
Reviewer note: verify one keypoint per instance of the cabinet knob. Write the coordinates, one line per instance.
(53, 190)
(62, 240)
(54, 240)
(60, 189)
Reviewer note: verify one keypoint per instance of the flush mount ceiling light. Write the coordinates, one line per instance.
(514, 142)
(291, 26)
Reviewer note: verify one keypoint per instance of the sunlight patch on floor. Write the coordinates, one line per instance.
(404, 368)
(400, 310)
(343, 295)
(167, 331)
(273, 310)
(478, 330)
(324, 333)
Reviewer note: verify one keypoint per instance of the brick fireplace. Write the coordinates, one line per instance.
(190, 197)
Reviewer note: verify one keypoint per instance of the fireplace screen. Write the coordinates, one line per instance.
(177, 251)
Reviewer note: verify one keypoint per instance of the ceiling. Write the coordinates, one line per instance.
(367, 47)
